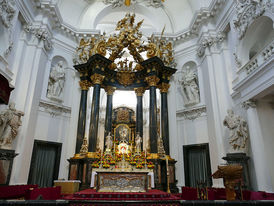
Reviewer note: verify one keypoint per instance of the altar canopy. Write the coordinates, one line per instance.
(118, 63)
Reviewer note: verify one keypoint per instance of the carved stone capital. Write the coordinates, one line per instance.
(249, 104)
(85, 84)
(97, 78)
(139, 91)
(110, 90)
(164, 87)
(152, 80)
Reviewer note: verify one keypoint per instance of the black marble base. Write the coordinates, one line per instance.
(242, 159)
(6, 160)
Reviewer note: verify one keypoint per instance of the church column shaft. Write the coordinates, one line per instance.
(139, 110)
(94, 115)
(82, 115)
(164, 117)
(152, 82)
(108, 119)
(153, 120)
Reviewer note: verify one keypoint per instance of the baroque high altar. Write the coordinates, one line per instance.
(117, 63)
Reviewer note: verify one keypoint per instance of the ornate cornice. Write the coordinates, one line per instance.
(139, 91)
(192, 113)
(97, 78)
(54, 109)
(209, 40)
(247, 12)
(41, 33)
(152, 80)
(249, 104)
(85, 84)
(110, 90)
(164, 87)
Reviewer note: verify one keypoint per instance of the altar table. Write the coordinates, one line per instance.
(117, 180)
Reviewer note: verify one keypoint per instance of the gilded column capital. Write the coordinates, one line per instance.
(139, 91)
(249, 103)
(85, 84)
(152, 80)
(164, 87)
(97, 78)
(110, 90)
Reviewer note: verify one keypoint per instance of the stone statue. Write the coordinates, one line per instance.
(190, 88)
(56, 81)
(138, 142)
(10, 120)
(238, 130)
(109, 142)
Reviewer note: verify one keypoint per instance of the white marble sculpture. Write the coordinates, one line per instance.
(56, 82)
(138, 141)
(109, 142)
(238, 131)
(10, 120)
(189, 86)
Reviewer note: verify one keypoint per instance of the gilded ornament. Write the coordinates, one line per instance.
(97, 78)
(85, 84)
(164, 87)
(110, 90)
(139, 91)
(122, 115)
(152, 81)
(125, 78)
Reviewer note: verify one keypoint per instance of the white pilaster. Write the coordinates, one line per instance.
(257, 146)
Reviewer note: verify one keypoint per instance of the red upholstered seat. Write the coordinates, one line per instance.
(216, 193)
(189, 193)
(47, 193)
(14, 191)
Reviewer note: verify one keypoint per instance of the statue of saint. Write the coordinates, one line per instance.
(190, 88)
(109, 142)
(138, 142)
(10, 120)
(56, 81)
(238, 130)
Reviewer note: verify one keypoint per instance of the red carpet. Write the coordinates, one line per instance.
(91, 194)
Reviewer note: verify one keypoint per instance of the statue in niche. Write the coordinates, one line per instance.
(190, 88)
(238, 130)
(109, 142)
(56, 81)
(138, 142)
(10, 120)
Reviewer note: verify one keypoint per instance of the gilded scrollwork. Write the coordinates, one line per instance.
(85, 84)
(152, 81)
(97, 78)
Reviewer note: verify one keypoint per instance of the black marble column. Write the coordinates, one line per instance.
(108, 119)
(152, 82)
(164, 117)
(94, 115)
(139, 110)
(82, 115)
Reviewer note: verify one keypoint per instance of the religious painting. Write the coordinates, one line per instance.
(122, 133)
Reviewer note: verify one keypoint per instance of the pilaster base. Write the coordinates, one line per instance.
(241, 159)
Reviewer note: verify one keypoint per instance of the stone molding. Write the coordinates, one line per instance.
(54, 109)
(247, 11)
(193, 113)
(209, 40)
(249, 104)
(41, 33)
(200, 17)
